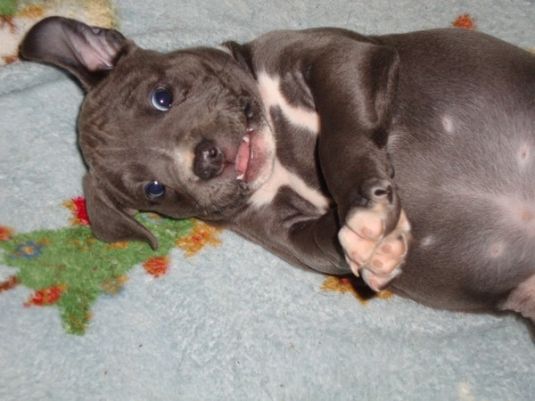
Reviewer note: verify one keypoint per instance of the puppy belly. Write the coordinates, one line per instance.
(470, 197)
(467, 255)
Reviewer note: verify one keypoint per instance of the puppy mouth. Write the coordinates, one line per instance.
(250, 157)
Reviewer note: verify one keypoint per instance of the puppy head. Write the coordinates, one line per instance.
(181, 134)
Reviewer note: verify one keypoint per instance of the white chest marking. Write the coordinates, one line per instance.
(269, 87)
(282, 177)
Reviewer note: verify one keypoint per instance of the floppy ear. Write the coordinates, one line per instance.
(242, 54)
(86, 52)
(109, 222)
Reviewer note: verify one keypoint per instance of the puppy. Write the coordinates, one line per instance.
(322, 145)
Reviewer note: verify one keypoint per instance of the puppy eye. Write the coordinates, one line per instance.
(154, 190)
(162, 99)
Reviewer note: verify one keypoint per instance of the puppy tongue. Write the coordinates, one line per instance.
(242, 158)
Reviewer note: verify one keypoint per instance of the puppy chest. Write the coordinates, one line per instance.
(287, 191)
(291, 116)
(292, 97)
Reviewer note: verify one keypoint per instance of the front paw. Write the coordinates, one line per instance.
(375, 238)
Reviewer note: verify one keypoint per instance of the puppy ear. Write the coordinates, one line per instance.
(109, 222)
(86, 52)
(242, 54)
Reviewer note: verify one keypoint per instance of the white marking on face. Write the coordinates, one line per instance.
(270, 91)
(184, 159)
(283, 177)
(447, 124)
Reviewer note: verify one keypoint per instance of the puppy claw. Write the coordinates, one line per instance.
(355, 267)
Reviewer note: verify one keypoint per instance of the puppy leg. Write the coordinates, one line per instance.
(522, 299)
(321, 245)
(354, 86)
(375, 230)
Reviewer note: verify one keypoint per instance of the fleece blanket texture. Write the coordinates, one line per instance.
(227, 321)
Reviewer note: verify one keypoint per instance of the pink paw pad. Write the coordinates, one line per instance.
(369, 252)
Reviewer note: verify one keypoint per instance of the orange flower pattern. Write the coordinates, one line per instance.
(349, 285)
(464, 21)
(157, 266)
(201, 235)
(5, 233)
(45, 296)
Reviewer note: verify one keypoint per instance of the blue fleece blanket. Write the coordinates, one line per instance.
(232, 322)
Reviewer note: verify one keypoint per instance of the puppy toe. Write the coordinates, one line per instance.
(382, 264)
(394, 246)
(355, 247)
(368, 224)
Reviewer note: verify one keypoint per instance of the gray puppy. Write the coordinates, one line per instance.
(322, 145)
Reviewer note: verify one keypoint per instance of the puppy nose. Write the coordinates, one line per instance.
(209, 160)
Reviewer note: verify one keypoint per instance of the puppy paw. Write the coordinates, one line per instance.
(373, 249)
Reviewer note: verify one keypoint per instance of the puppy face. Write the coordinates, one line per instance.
(182, 134)
(187, 120)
